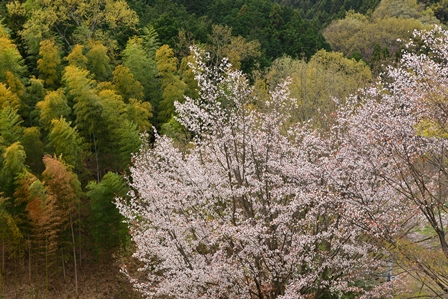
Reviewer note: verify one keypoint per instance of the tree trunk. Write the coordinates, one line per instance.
(3, 256)
(63, 263)
(74, 255)
(96, 159)
(29, 260)
(46, 268)
(443, 243)
(79, 234)
(2, 270)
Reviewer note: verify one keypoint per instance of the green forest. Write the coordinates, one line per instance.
(85, 84)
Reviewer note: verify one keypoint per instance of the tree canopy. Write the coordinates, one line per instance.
(244, 212)
(285, 149)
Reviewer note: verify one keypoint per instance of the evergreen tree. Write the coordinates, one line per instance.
(34, 93)
(13, 164)
(73, 22)
(45, 223)
(34, 148)
(140, 113)
(64, 186)
(66, 142)
(98, 62)
(11, 237)
(10, 126)
(14, 84)
(108, 228)
(52, 107)
(139, 58)
(10, 59)
(12, 154)
(150, 40)
(49, 64)
(235, 48)
(173, 87)
(8, 98)
(122, 135)
(128, 144)
(76, 57)
(126, 85)
(88, 109)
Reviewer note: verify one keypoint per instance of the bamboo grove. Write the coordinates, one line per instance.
(85, 84)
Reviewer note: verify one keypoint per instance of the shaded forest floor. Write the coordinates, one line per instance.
(96, 281)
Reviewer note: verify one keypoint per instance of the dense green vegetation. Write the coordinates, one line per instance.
(81, 80)
(324, 11)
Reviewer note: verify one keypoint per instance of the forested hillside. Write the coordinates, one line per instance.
(86, 84)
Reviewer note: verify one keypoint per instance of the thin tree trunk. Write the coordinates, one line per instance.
(62, 35)
(46, 268)
(3, 256)
(74, 255)
(15, 277)
(1, 284)
(36, 286)
(96, 158)
(79, 234)
(29, 260)
(2, 271)
(63, 263)
(79, 229)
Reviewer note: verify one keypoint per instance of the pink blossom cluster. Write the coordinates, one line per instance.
(258, 208)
